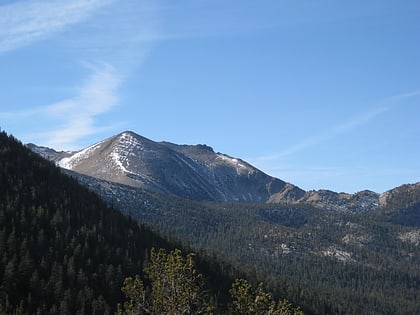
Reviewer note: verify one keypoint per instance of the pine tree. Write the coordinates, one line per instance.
(177, 288)
(247, 301)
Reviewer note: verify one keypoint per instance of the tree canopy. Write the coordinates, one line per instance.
(177, 288)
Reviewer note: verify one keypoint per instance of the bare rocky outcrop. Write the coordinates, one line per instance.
(329, 200)
(407, 194)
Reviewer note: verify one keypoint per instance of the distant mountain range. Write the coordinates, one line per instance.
(196, 172)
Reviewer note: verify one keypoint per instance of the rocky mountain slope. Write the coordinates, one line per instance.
(197, 172)
(194, 172)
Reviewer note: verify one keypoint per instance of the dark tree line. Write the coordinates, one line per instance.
(61, 249)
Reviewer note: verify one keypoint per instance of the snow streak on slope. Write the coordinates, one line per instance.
(72, 161)
(127, 146)
(240, 167)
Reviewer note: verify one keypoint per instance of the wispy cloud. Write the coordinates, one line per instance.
(123, 34)
(76, 116)
(331, 133)
(405, 95)
(346, 126)
(25, 22)
(65, 123)
(116, 37)
(310, 177)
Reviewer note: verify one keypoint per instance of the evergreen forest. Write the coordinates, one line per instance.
(327, 262)
(77, 245)
(64, 251)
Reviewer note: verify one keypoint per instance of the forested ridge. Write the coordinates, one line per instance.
(325, 261)
(61, 249)
(64, 251)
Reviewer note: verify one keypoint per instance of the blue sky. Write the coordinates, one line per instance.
(323, 94)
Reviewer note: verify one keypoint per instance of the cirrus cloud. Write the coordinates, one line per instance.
(25, 22)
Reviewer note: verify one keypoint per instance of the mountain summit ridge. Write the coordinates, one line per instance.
(195, 172)
(189, 171)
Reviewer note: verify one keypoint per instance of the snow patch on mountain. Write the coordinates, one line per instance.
(116, 158)
(72, 161)
(129, 143)
(240, 167)
(127, 146)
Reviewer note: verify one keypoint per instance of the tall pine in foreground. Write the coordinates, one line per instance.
(62, 251)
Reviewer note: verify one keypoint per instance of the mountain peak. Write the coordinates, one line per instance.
(189, 171)
(198, 172)
(129, 132)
